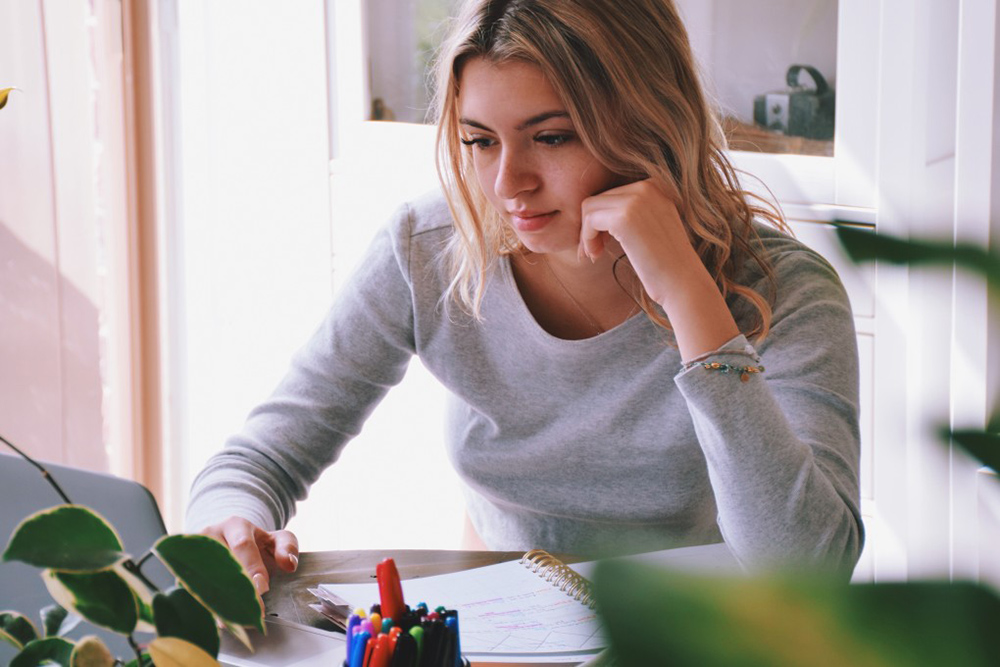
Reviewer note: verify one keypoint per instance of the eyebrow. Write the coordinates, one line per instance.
(534, 120)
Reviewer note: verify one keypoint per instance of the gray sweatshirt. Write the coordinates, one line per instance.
(595, 446)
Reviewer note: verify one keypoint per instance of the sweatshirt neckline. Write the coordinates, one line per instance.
(530, 324)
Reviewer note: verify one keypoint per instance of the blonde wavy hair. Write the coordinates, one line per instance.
(627, 75)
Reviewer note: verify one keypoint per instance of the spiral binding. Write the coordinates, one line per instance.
(559, 574)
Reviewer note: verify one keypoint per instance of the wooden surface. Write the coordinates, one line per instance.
(289, 597)
(756, 139)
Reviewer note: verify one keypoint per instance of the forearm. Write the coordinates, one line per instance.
(786, 492)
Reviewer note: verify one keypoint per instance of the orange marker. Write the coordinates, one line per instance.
(390, 590)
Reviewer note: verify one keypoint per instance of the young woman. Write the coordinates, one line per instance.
(636, 362)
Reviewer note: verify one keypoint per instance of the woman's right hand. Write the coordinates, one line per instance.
(259, 551)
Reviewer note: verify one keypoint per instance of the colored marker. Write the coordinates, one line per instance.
(405, 654)
(434, 640)
(376, 620)
(369, 649)
(359, 643)
(382, 654)
(451, 622)
(353, 621)
(390, 590)
(417, 632)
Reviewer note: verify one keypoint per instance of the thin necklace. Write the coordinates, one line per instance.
(579, 306)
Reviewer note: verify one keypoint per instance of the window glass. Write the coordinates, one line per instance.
(769, 66)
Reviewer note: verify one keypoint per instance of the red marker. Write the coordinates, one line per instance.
(390, 590)
(382, 655)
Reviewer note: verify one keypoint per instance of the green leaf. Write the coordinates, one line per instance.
(4, 94)
(239, 633)
(102, 598)
(212, 574)
(68, 537)
(178, 614)
(146, 661)
(867, 245)
(127, 570)
(53, 617)
(654, 616)
(147, 622)
(980, 444)
(43, 652)
(91, 652)
(16, 628)
(174, 652)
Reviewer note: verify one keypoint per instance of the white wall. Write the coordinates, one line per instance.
(53, 211)
(249, 240)
(267, 228)
(777, 33)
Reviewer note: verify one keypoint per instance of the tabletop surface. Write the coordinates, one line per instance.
(289, 597)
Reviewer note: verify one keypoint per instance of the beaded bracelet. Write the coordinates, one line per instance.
(744, 371)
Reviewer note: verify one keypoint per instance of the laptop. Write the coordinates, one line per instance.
(133, 512)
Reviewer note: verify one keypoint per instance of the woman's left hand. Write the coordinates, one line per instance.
(647, 224)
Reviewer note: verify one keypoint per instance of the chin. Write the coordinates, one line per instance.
(546, 243)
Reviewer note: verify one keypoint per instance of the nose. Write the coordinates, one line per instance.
(515, 176)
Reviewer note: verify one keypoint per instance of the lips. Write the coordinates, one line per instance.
(530, 221)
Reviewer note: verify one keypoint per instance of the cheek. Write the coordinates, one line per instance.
(485, 175)
(598, 179)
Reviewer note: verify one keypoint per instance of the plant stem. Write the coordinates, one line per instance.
(132, 568)
(45, 473)
(138, 651)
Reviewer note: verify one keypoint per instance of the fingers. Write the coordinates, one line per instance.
(602, 216)
(591, 243)
(286, 550)
(252, 547)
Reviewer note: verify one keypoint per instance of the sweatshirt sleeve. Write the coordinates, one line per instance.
(783, 447)
(361, 350)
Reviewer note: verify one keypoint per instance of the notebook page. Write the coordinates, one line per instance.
(504, 609)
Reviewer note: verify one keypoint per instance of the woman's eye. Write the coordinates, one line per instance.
(479, 142)
(554, 139)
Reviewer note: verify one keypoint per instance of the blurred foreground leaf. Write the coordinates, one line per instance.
(70, 538)
(16, 628)
(658, 617)
(51, 650)
(864, 245)
(4, 94)
(173, 652)
(91, 652)
(178, 614)
(210, 572)
(53, 618)
(980, 444)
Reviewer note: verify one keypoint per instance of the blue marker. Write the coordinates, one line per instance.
(451, 622)
(359, 644)
(352, 622)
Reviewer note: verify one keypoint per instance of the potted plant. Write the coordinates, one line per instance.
(88, 574)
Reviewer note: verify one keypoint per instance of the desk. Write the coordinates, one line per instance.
(288, 600)
(289, 596)
(287, 603)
